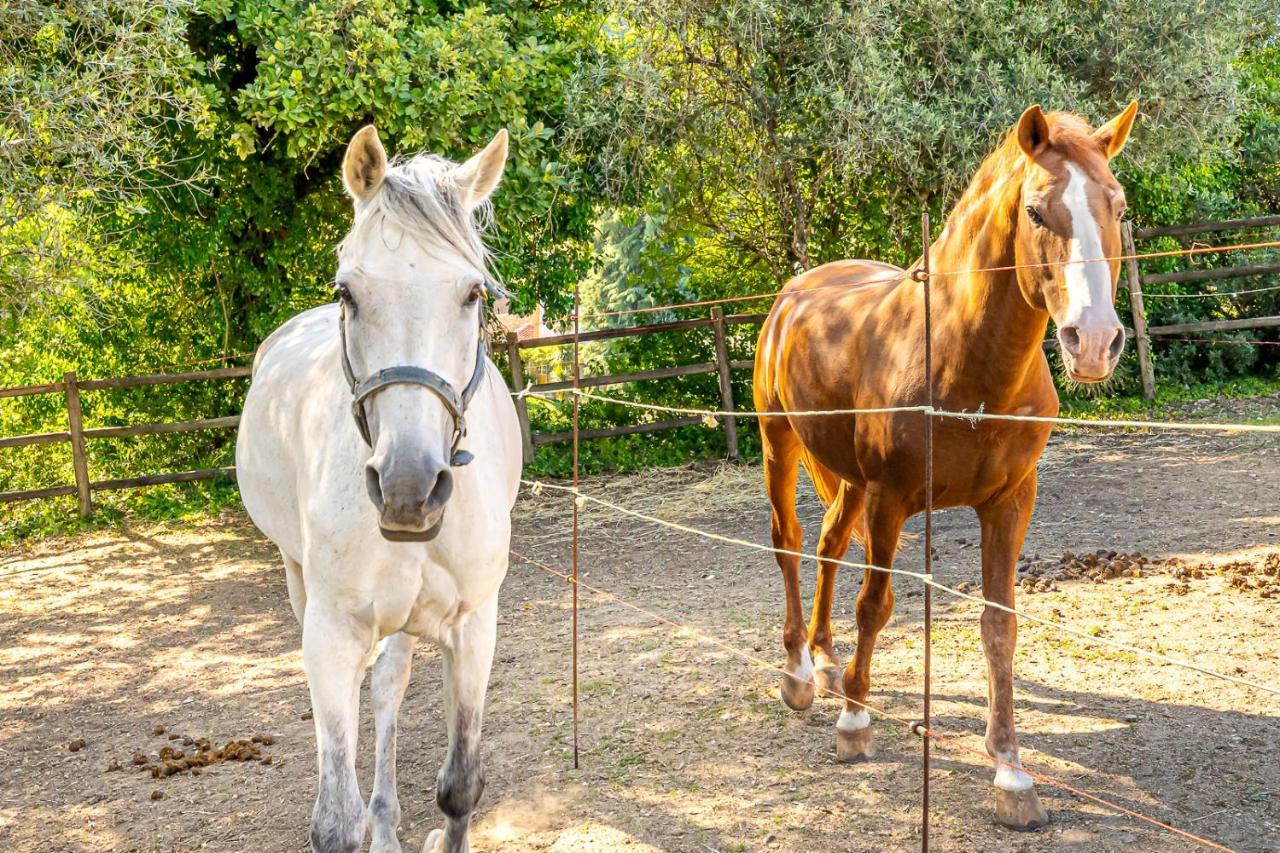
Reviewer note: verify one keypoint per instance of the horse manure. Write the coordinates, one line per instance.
(76, 745)
(171, 761)
(157, 794)
(157, 731)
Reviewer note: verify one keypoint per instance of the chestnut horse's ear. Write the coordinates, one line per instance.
(1033, 131)
(365, 163)
(1112, 135)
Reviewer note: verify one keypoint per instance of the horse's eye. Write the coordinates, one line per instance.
(344, 292)
(473, 296)
(1035, 217)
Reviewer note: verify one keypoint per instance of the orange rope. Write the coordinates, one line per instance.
(917, 728)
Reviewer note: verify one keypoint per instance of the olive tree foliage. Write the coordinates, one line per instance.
(792, 133)
(92, 93)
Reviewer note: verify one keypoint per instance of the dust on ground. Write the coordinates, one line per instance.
(105, 637)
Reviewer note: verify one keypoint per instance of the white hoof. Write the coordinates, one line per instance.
(434, 842)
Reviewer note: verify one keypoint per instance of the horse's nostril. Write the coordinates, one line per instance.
(440, 491)
(1117, 344)
(373, 483)
(1070, 338)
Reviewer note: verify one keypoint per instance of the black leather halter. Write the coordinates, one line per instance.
(404, 374)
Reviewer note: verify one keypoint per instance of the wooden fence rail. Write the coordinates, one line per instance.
(76, 434)
(1135, 281)
(722, 366)
(719, 363)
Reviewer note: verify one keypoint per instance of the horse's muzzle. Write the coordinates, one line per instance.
(410, 499)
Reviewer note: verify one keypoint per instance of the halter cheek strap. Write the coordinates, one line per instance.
(454, 403)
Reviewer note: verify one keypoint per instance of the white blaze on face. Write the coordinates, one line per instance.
(1087, 277)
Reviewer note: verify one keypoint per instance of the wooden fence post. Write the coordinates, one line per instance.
(517, 385)
(1139, 313)
(726, 383)
(75, 424)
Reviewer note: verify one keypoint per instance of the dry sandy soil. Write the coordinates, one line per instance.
(683, 745)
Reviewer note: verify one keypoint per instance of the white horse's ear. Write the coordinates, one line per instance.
(365, 163)
(478, 177)
(1033, 131)
(1113, 135)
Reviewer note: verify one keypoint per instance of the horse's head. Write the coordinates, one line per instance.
(412, 276)
(1068, 220)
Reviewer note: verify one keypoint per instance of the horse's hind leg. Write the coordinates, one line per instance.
(335, 646)
(390, 678)
(468, 656)
(781, 462)
(1004, 525)
(837, 527)
(875, 604)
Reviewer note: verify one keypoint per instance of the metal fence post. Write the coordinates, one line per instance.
(726, 383)
(75, 424)
(1134, 280)
(517, 385)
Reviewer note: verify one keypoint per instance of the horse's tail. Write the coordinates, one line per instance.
(825, 481)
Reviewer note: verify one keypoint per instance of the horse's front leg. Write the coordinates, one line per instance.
(468, 656)
(390, 678)
(335, 647)
(1004, 525)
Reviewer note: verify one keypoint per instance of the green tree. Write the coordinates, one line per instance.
(791, 133)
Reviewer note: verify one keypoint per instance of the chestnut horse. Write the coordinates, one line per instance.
(1045, 207)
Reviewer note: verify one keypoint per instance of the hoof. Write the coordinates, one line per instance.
(796, 693)
(855, 745)
(828, 677)
(829, 681)
(1020, 810)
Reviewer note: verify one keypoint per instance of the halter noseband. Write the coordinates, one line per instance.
(404, 374)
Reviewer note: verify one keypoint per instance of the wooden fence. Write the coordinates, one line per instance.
(76, 434)
(1135, 281)
(721, 366)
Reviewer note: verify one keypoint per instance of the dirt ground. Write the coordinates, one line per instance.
(683, 746)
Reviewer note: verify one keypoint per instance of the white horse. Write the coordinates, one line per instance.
(393, 524)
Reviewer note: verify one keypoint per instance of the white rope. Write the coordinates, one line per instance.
(719, 413)
(979, 415)
(1223, 294)
(926, 579)
(1173, 425)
